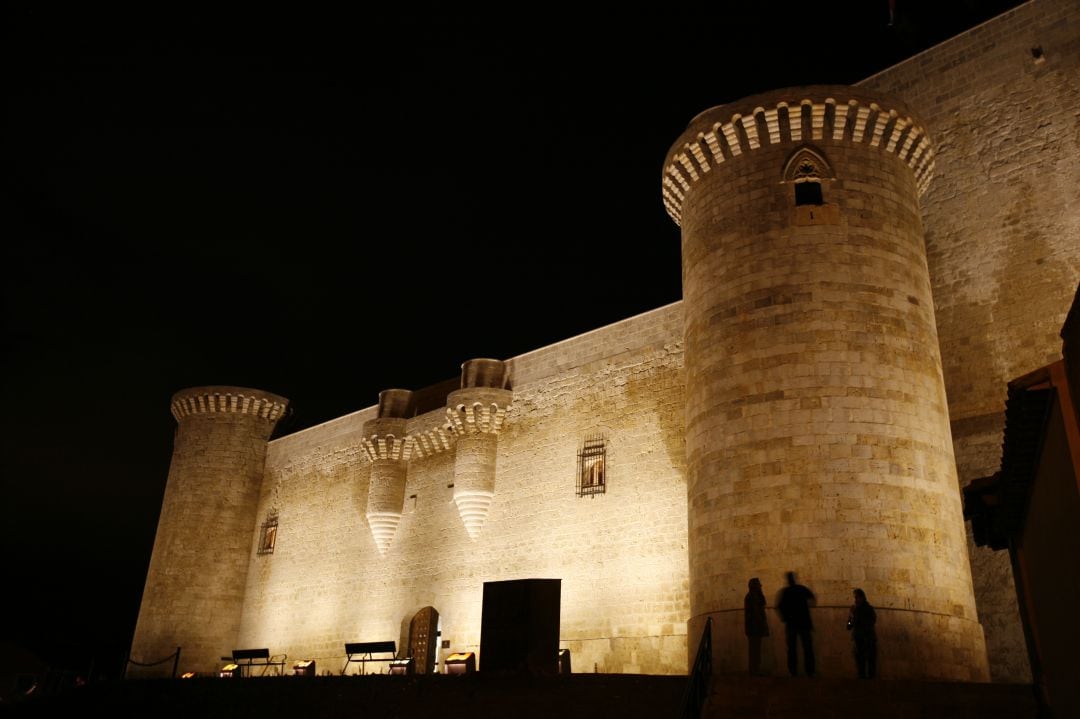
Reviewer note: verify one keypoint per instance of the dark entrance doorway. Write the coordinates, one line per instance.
(519, 628)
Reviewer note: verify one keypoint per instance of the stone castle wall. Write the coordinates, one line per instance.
(621, 555)
(1002, 219)
(1002, 222)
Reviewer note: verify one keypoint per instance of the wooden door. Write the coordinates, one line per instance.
(424, 640)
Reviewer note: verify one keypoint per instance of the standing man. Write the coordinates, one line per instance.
(794, 606)
(756, 623)
(861, 621)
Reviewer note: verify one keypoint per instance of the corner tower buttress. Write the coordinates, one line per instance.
(198, 570)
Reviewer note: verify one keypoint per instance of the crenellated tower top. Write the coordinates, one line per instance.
(221, 400)
(793, 115)
(385, 436)
(481, 403)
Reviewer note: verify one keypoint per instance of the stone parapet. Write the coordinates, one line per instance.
(796, 115)
(484, 372)
(220, 400)
(428, 435)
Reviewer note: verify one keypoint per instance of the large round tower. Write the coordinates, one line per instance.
(817, 432)
(195, 585)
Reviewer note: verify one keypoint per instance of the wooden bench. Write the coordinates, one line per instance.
(361, 652)
(248, 658)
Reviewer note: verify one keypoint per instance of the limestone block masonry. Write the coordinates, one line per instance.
(817, 430)
(195, 586)
(621, 555)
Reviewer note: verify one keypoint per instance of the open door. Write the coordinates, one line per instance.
(424, 640)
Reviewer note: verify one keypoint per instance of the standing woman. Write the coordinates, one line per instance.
(756, 623)
(861, 620)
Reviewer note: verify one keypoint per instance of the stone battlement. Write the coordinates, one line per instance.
(238, 400)
(788, 116)
(477, 409)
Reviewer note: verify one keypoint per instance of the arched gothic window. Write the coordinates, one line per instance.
(806, 168)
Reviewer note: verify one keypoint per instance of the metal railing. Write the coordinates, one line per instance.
(698, 686)
(175, 657)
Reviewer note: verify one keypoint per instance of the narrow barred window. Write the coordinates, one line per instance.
(268, 537)
(592, 467)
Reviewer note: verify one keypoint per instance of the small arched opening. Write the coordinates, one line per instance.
(807, 171)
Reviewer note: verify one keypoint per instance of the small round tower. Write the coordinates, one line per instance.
(385, 444)
(817, 432)
(198, 570)
(475, 415)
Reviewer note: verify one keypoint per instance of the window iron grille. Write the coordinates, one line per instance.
(268, 537)
(592, 466)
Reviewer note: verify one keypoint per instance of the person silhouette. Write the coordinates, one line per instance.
(794, 607)
(756, 623)
(861, 620)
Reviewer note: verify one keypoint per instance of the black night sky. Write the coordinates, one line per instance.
(325, 206)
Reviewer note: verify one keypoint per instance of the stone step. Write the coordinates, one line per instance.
(738, 697)
(477, 696)
(626, 696)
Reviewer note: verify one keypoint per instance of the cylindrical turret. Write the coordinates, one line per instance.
(384, 442)
(817, 434)
(195, 585)
(476, 413)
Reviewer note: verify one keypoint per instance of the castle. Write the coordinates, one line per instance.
(864, 270)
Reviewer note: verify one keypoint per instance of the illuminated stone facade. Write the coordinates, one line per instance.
(817, 436)
(1002, 224)
(810, 405)
(198, 571)
(621, 555)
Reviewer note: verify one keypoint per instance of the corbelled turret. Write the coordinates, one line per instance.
(385, 445)
(476, 413)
